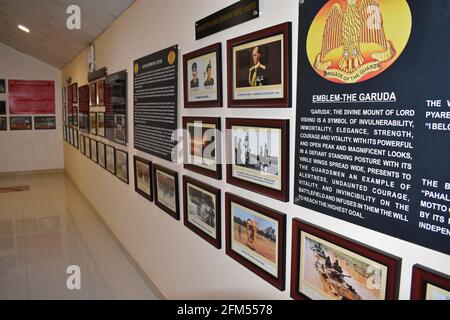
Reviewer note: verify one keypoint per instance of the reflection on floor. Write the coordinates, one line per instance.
(50, 227)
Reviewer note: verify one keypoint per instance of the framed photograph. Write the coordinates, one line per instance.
(93, 123)
(71, 135)
(201, 204)
(4, 124)
(429, 284)
(143, 177)
(256, 238)
(111, 159)
(94, 151)
(258, 156)
(101, 93)
(259, 67)
(82, 145)
(65, 134)
(75, 93)
(202, 77)
(92, 94)
(63, 95)
(87, 146)
(101, 154)
(122, 165)
(202, 141)
(2, 86)
(75, 138)
(166, 190)
(2, 107)
(75, 116)
(20, 123)
(120, 128)
(101, 124)
(44, 123)
(326, 266)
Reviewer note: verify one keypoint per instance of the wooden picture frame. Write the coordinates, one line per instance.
(428, 284)
(190, 125)
(207, 227)
(269, 259)
(205, 93)
(92, 94)
(101, 154)
(140, 166)
(382, 283)
(110, 155)
(159, 173)
(250, 74)
(124, 176)
(251, 166)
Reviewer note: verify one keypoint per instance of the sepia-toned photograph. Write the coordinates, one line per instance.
(111, 159)
(101, 154)
(94, 150)
(122, 165)
(143, 177)
(166, 190)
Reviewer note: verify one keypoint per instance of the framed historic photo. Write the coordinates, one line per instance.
(258, 155)
(63, 95)
(4, 125)
(259, 68)
(165, 183)
(75, 93)
(75, 138)
(82, 146)
(122, 165)
(94, 156)
(44, 123)
(93, 123)
(92, 94)
(202, 146)
(87, 147)
(256, 238)
(428, 284)
(101, 154)
(111, 159)
(327, 266)
(100, 124)
(202, 77)
(2, 86)
(201, 205)
(143, 177)
(20, 123)
(101, 93)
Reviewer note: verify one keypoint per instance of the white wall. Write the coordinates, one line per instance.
(180, 263)
(30, 150)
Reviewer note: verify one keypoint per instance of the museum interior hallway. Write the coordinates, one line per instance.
(49, 226)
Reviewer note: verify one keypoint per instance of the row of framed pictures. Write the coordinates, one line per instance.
(257, 152)
(324, 265)
(258, 71)
(97, 123)
(26, 123)
(70, 135)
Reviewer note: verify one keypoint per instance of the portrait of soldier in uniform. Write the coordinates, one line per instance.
(257, 72)
(209, 80)
(194, 81)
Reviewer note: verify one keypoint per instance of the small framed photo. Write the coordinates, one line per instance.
(201, 204)
(75, 116)
(326, 266)
(143, 177)
(101, 93)
(63, 94)
(44, 123)
(4, 125)
(256, 238)
(20, 123)
(94, 151)
(100, 124)
(120, 128)
(71, 135)
(75, 138)
(82, 145)
(75, 93)
(2, 86)
(101, 154)
(2, 107)
(122, 165)
(428, 284)
(92, 94)
(93, 123)
(111, 159)
(202, 141)
(202, 77)
(259, 67)
(258, 156)
(166, 190)
(65, 133)
(87, 146)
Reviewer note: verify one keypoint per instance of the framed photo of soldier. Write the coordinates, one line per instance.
(143, 181)
(256, 238)
(258, 155)
(201, 210)
(259, 68)
(166, 196)
(202, 145)
(122, 165)
(429, 284)
(202, 77)
(326, 266)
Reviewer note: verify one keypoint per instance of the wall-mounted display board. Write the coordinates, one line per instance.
(372, 137)
(83, 108)
(31, 97)
(115, 118)
(428, 284)
(155, 90)
(44, 123)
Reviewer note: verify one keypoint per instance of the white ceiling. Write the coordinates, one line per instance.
(50, 40)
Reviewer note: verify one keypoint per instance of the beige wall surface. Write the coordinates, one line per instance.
(180, 263)
(30, 150)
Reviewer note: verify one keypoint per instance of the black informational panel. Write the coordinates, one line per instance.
(116, 120)
(373, 119)
(155, 102)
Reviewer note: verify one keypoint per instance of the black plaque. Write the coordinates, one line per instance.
(155, 102)
(233, 15)
(373, 119)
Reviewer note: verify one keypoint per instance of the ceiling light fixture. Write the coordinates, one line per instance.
(25, 29)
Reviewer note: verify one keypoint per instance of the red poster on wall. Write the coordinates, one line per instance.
(31, 97)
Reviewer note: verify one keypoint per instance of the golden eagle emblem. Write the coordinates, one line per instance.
(354, 41)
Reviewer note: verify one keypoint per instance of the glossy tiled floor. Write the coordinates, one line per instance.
(48, 228)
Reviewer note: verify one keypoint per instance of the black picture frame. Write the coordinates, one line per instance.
(110, 168)
(23, 123)
(175, 212)
(4, 124)
(149, 195)
(126, 177)
(101, 159)
(93, 146)
(92, 125)
(87, 147)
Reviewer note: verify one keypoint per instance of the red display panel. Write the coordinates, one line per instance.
(31, 97)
